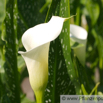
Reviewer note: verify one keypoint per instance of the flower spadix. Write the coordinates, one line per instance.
(36, 42)
(78, 34)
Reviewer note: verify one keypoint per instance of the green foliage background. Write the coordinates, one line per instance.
(16, 16)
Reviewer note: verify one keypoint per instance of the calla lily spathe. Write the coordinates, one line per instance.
(36, 41)
(78, 34)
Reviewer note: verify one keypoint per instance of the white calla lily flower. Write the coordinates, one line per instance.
(79, 35)
(36, 41)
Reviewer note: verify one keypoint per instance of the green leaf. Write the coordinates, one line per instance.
(94, 89)
(93, 10)
(2, 11)
(83, 90)
(2, 16)
(5, 99)
(65, 42)
(81, 72)
(10, 52)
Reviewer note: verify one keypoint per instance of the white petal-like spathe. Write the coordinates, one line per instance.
(79, 35)
(36, 42)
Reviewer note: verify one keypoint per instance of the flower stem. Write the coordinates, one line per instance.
(39, 96)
